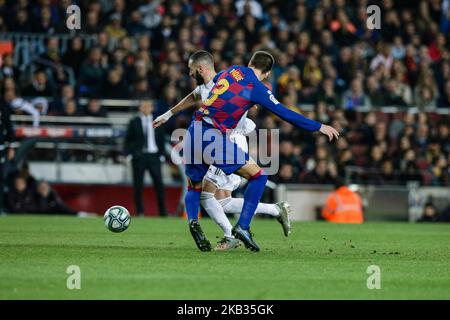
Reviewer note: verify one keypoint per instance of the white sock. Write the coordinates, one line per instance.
(215, 211)
(234, 205)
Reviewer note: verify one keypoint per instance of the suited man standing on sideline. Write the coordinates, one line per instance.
(6, 150)
(146, 147)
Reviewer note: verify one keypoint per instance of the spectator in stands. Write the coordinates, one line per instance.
(92, 73)
(67, 93)
(343, 205)
(134, 26)
(291, 76)
(21, 106)
(425, 98)
(8, 69)
(328, 94)
(320, 174)
(430, 213)
(285, 174)
(39, 86)
(444, 99)
(383, 60)
(146, 147)
(45, 23)
(21, 198)
(2, 24)
(74, 55)
(169, 99)
(440, 170)
(374, 91)
(287, 156)
(343, 29)
(95, 109)
(21, 171)
(443, 136)
(115, 86)
(410, 172)
(52, 53)
(376, 157)
(21, 22)
(402, 83)
(312, 77)
(387, 174)
(114, 29)
(393, 96)
(92, 24)
(70, 109)
(151, 14)
(7, 137)
(398, 49)
(49, 202)
(355, 97)
(140, 89)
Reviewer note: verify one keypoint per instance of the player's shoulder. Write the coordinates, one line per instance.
(245, 71)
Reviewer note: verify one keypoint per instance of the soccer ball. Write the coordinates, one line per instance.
(117, 219)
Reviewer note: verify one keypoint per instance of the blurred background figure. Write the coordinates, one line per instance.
(145, 145)
(6, 152)
(343, 205)
(432, 214)
(49, 202)
(21, 198)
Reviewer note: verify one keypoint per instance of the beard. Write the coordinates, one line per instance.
(198, 78)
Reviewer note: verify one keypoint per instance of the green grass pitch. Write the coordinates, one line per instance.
(157, 259)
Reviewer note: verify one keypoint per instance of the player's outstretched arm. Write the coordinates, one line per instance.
(264, 97)
(185, 103)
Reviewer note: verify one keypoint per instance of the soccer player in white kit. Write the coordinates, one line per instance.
(217, 187)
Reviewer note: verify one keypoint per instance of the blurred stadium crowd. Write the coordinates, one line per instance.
(326, 58)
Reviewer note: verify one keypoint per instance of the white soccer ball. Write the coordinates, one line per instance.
(117, 219)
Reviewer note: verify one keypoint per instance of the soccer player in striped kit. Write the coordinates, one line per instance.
(235, 91)
(217, 187)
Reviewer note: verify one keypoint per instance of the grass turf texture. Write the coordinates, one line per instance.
(157, 259)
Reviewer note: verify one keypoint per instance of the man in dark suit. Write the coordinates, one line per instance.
(146, 147)
(6, 150)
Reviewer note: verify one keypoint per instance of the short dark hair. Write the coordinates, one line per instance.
(202, 56)
(263, 61)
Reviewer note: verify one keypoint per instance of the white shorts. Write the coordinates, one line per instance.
(221, 180)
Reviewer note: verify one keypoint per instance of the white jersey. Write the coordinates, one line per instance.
(243, 127)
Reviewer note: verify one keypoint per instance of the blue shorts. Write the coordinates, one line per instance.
(204, 145)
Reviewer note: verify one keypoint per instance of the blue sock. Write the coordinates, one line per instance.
(192, 203)
(252, 195)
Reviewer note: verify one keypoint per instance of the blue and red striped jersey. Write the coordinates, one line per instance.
(236, 90)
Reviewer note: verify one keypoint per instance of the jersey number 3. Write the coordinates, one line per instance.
(221, 86)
